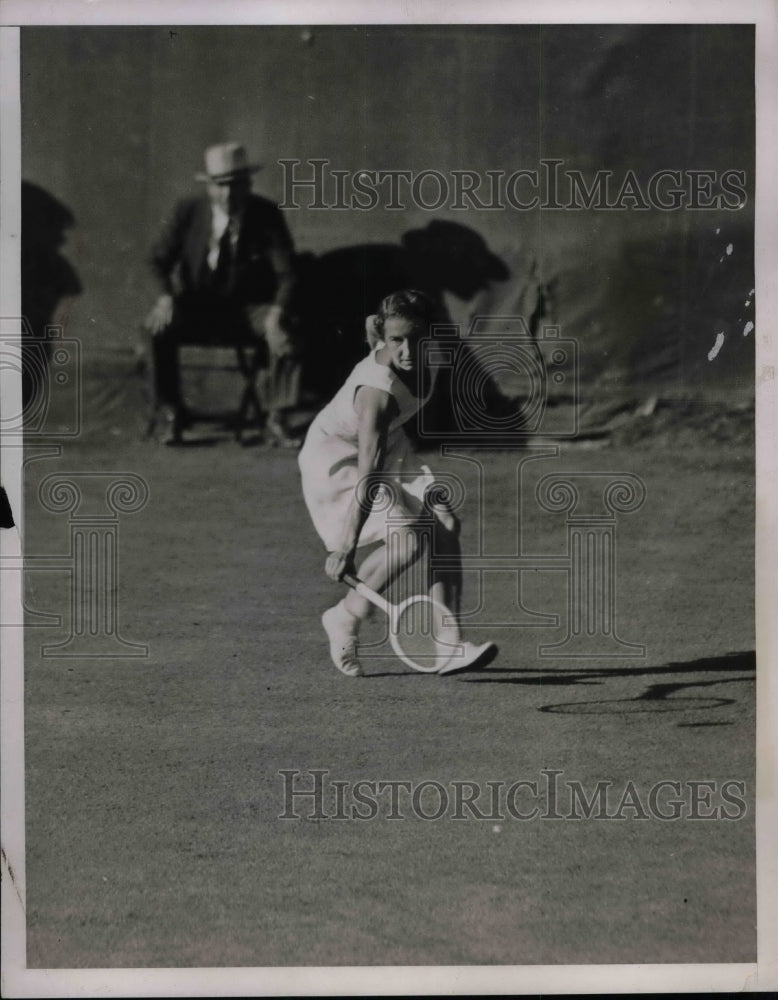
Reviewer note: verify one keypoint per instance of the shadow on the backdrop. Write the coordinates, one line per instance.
(49, 281)
(6, 515)
(338, 289)
(662, 696)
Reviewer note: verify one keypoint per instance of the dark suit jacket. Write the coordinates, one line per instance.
(263, 259)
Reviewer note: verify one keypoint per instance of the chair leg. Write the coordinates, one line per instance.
(248, 357)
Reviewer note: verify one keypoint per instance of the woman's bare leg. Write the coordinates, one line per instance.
(382, 566)
(445, 580)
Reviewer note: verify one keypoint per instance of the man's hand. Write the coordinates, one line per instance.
(338, 563)
(161, 315)
(278, 340)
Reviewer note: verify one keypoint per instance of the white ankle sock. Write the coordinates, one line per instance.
(348, 617)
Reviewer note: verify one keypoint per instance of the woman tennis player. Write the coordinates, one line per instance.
(358, 470)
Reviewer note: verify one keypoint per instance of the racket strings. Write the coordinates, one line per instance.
(426, 633)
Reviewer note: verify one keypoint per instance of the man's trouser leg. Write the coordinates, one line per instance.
(166, 379)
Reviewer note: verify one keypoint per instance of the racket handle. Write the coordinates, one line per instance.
(364, 591)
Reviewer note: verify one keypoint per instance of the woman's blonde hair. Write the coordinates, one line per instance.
(407, 304)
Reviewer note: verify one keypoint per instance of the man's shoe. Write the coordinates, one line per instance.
(278, 435)
(472, 656)
(343, 641)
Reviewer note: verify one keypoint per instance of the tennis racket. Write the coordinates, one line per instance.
(423, 632)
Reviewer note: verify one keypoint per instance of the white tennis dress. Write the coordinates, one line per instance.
(329, 457)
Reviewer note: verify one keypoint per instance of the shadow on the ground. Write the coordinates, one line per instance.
(201, 442)
(658, 697)
(660, 692)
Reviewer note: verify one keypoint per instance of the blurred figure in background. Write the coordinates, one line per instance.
(225, 267)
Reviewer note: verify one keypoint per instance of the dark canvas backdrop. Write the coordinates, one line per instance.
(115, 121)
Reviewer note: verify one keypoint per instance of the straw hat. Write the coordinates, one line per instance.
(225, 161)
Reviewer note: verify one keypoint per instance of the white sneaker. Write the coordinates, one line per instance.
(470, 656)
(341, 631)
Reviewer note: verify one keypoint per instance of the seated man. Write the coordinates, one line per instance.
(224, 264)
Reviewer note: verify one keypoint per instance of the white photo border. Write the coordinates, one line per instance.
(17, 980)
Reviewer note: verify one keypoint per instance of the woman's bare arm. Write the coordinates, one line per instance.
(375, 409)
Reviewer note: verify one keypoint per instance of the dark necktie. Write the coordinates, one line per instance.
(223, 272)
